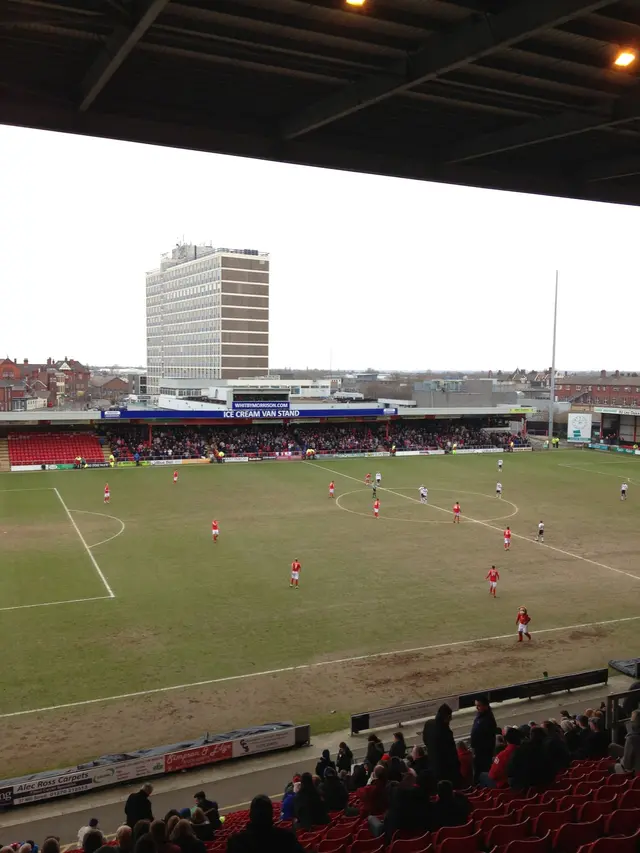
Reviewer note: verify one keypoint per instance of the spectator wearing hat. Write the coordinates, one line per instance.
(93, 824)
(333, 792)
(324, 763)
(498, 775)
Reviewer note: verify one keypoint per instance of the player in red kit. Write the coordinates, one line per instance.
(175, 476)
(507, 539)
(332, 489)
(376, 507)
(456, 513)
(367, 480)
(493, 576)
(107, 493)
(522, 621)
(295, 573)
(215, 530)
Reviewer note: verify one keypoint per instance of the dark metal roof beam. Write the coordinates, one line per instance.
(607, 170)
(547, 129)
(474, 38)
(120, 45)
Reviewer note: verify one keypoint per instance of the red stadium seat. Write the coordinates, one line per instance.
(570, 837)
(410, 845)
(595, 809)
(369, 845)
(573, 800)
(510, 832)
(619, 780)
(452, 832)
(551, 821)
(479, 813)
(620, 844)
(532, 810)
(622, 822)
(464, 844)
(630, 799)
(530, 845)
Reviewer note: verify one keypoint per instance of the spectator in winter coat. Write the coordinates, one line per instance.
(498, 775)
(630, 761)
(287, 804)
(374, 798)
(529, 766)
(324, 763)
(483, 737)
(441, 747)
(201, 826)
(308, 807)
(409, 806)
(344, 759)
(333, 792)
(375, 750)
(418, 761)
(261, 836)
(465, 759)
(398, 748)
(450, 809)
(138, 806)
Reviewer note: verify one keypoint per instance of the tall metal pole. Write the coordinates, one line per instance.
(552, 389)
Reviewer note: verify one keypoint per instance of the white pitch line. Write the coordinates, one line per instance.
(37, 489)
(104, 515)
(87, 549)
(55, 603)
(307, 666)
(486, 524)
(602, 473)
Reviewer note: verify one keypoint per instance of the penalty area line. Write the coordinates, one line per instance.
(307, 666)
(86, 547)
(486, 524)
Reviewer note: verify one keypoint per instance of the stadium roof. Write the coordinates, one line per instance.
(509, 94)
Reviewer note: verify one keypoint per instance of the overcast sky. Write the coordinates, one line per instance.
(365, 270)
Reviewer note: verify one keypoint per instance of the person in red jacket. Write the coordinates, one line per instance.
(498, 775)
(465, 757)
(374, 799)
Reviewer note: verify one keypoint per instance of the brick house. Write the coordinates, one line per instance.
(599, 389)
(67, 379)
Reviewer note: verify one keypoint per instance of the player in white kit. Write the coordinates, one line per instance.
(424, 495)
(499, 464)
(623, 492)
(378, 478)
(498, 490)
(540, 536)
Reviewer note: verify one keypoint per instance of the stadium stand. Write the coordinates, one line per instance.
(53, 448)
(188, 442)
(589, 806)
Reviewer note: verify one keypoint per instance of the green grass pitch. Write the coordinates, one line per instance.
(186, 611)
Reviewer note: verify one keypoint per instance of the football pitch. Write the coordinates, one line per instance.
(125, 626)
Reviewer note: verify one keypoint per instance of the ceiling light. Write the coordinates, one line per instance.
(625, 57)
(355, 2)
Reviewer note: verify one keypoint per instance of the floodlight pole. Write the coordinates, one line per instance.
(552, 389)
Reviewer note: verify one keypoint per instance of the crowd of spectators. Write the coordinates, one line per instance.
(395, 787)
(181, 442)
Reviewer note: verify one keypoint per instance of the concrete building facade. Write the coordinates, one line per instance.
(207, 315)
